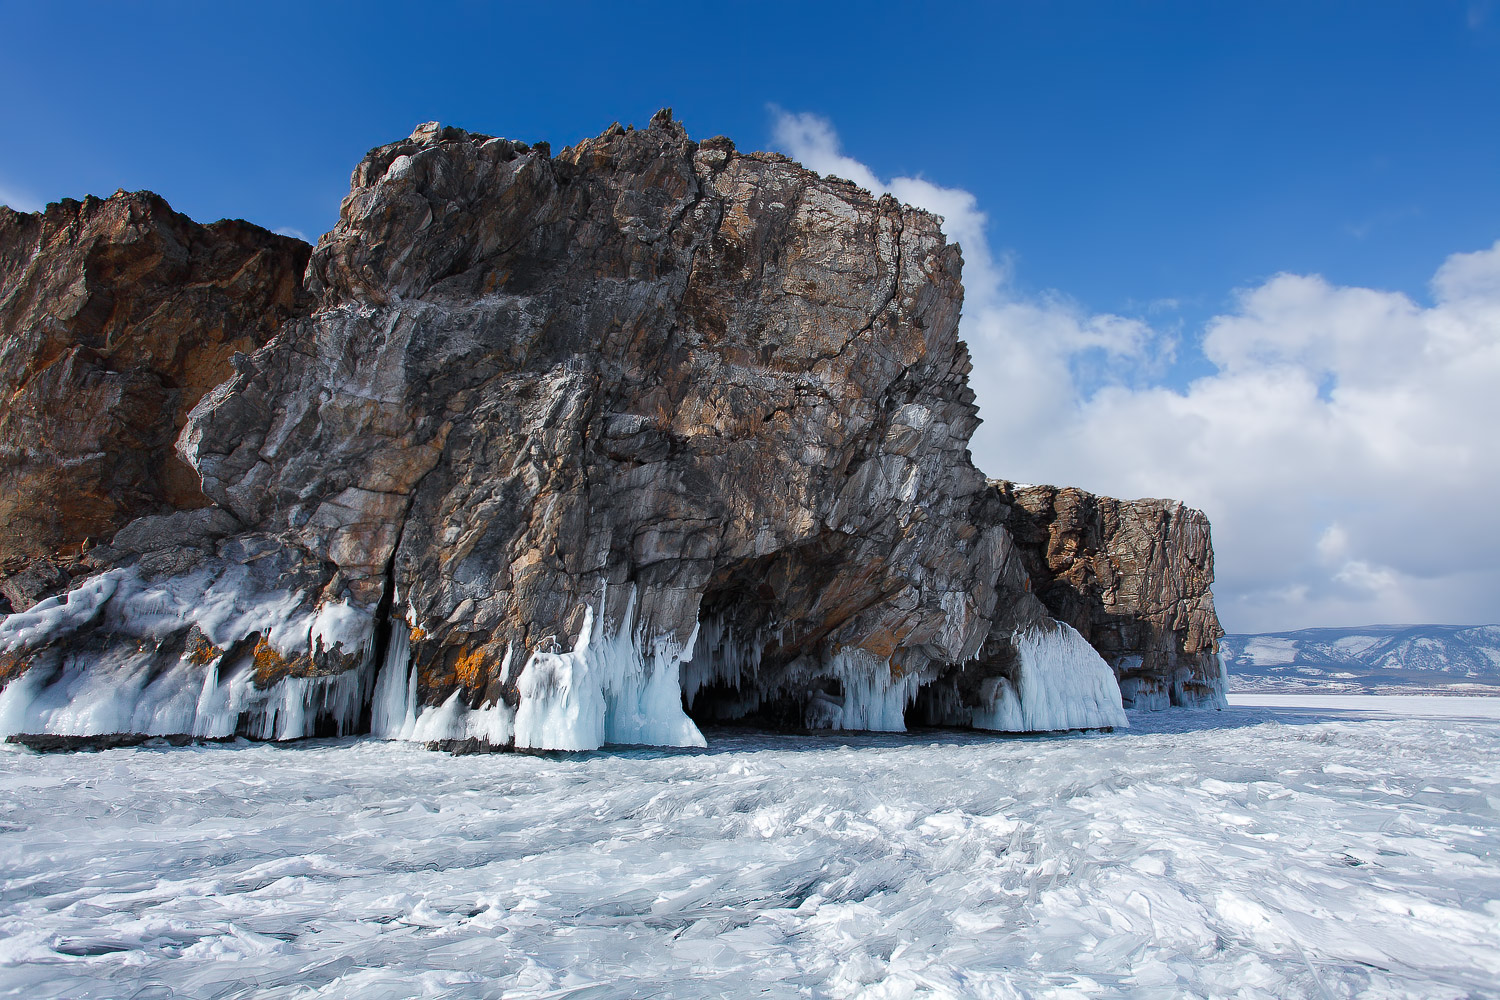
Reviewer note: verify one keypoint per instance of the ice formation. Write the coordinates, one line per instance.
(126, 694)
(126, 690)
(395, 713)
(1220, 697)
(1138, 692)
(1176, 689)
(850, 689)
(1063, 684)
(222, 601)
(617, 685)
(614, 686)
(873, 697)
(723, 657)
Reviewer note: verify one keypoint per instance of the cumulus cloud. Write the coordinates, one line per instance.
(1344, 445)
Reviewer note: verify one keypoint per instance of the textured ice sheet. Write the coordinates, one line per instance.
(1259, 852)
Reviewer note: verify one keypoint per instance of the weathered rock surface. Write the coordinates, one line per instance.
(1133, 577)
(118, 315)
(566, 444)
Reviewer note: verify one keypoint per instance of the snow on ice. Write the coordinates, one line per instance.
(1260, 852)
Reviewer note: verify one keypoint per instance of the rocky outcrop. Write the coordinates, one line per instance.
(1133, 577)
(118, 316)
(567, 445)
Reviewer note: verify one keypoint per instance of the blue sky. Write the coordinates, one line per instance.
(1127, 153)
(1138, 172)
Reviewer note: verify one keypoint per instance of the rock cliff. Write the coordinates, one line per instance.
(576, 449)
(1133, 577)
(118, 316)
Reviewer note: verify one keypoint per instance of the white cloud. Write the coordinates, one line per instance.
(1344, 446)
(294, 233)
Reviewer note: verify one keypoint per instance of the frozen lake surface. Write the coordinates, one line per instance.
(1297, 849)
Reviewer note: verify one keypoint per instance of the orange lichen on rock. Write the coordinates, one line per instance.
(270, 666)
(469, 668)
(199, 651)
(12, 666)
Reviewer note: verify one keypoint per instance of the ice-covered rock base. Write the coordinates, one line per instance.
(617, 685)
(203, 644)
(1176, 688)
(191, 669)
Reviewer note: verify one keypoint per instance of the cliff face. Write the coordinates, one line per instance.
(565, 446)
(118, 316)
(1133, 577)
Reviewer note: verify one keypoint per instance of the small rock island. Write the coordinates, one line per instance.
(545, 451)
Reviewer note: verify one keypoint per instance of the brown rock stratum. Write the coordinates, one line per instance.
(118, 315)
(556, 447)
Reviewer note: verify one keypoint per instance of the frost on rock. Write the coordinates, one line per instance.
(64, 613)
(1062, 684)
(190, 669)
(615, 686)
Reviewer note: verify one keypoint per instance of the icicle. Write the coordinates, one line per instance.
(873, 698)
(392, 709)
(618, 687)
(1064, 684)
(718, 657)
(395, 715)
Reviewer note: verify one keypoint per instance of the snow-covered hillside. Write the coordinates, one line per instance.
(1256, 853)
(1367, 658)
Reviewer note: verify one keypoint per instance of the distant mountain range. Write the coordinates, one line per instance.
(1452, 658)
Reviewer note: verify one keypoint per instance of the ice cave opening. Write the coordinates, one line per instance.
(750, 665)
